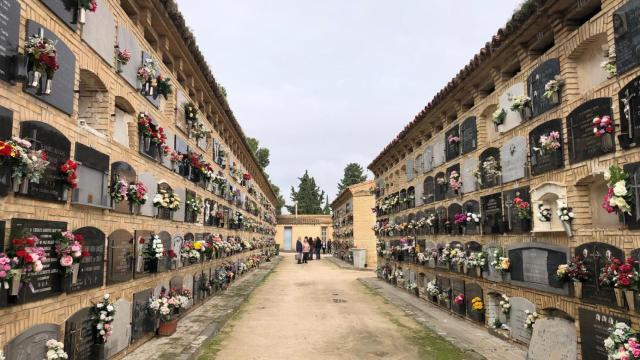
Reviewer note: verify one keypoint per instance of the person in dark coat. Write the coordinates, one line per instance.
(299, 250)
(329, 246)
(318, 248)
(312, 247)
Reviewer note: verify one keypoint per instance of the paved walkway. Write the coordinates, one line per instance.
(320, 311)
(201, 325)
(452, 328)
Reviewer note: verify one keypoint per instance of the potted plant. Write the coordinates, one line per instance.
(164, 307)
(522, 104)
(576, 272)
(69, 248)
(43, 59)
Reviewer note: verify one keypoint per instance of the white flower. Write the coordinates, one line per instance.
(620, 188)
(106, 296)
(607, 174)
(99, 305)
(609, 344)
(109, 308)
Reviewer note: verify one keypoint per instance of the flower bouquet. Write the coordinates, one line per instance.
(459, 300)
(618, 198)
(122, 59)
(190, 113)
(544, 213)
(453, 139)
(69, 248)
(566, 216)
(137, 193)
(30, 259)
(83, 7)
(454, 181)
(549, 142)
(27, 165)
(55, 350)
(477, 305)
(499, 116)
(624, 278)
(523, 208)
(522, 104)
(602, 125)
(118, 190)
(505, 304)
(103, 315)
(622, 342)
(500, 262)
(68, 170)
(531, 319)
(43, 59)
(166, 200)
(8, 269)
(165, 307)
(146, 75)
(576, 272)
(552, 89)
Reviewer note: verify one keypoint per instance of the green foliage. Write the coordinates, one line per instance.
(281, 201)
(353, 174)
(309, 197)
(262, 154)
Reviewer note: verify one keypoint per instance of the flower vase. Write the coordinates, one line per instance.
(630, 297)
(555, 98)
(82, 15)
(75, 270)
(459, 266)
(20, 185)
(464, 268)
(577, 289)
(619, 297)
(118, 67)
(98, 352)
(478, 271)
(525, 113)
(35, 78)
(567, 228)
(15, 283)
(167, 328)
(47, 87)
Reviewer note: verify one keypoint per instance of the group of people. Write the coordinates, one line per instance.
(307, 247)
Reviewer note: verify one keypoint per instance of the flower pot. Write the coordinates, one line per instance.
(82, 15)
(35, 78)
(146, 143)
(47, 87)
(167, 328)
(75, 270)
(15, 283)
(630, 297)
(619, 297)
(465, 269)
(134, 208)
(567, 228)
(118, 67)
(577, 289)
(459, 267)
(478, 271)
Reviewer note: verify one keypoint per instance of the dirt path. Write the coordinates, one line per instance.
(318, 311)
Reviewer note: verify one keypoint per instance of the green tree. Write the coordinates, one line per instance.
(262, 154)
(281, 201)
(353, 174)
(327, 208)
(309, 197)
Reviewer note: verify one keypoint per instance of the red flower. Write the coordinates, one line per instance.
(28, 258)
(43, 155)
(625, 269)
(79, 238)
(21, 253)
(85, 253)
(624, 281)
(140, 240)
(30, 241)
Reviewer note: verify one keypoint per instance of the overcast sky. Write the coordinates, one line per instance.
(325, 83)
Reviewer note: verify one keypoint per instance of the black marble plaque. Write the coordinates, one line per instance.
(31, 343)
(120, 264)
(536, 265)
(162, 212)
(450, 192)
(468, 135)
(583, 144)
(629, 105)
(514, 223)
(452, 149)
(444, 284)
(457, 288)
(142, 322)
(9, 36)
(440, 187)
(487, 180)
(536, 82)
(65, 10)
(46, 283)
(126, 172)
(472, 291)
(543, 161)
(492, 213)
(6, 128)
(62, 91)
(45, 137)
(594, 329)
(92, 158)
(91, 274)
(596, 256)
(143, 264)
(429, 190)
(626, 25)
(79, 336)
(452, 211)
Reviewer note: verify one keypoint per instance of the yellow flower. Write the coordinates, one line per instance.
(197, 245)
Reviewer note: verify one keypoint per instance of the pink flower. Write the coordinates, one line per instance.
(66, 260)
(76, 248)
(3, 274)
(77, 254)
(38, 267)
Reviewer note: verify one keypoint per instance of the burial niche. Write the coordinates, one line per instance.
(93, 169)
(546, 146)
(517, 222)
(489, 168)
(492, 222)
(626, 27)
(121, 171)
(536, 83)
(440, 187)
(91, 274)
(597, 256)
(534, 265)
(32, 343)
(452, 147)
(468, 135)
(629, 102)
(583, 143)
(120, 255)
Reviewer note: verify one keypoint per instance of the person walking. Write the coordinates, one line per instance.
(318, 247)
(324, 247)
(329, 246)
(305, 251)
(299, 250)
